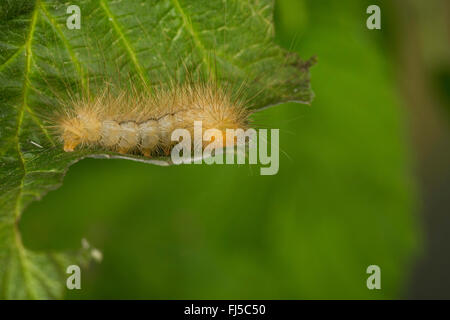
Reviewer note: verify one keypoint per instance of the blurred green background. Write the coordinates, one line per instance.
(349, 192)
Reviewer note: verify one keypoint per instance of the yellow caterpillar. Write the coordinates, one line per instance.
(137, 121)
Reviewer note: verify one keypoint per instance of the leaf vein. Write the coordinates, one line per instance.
(125, 41)
(190, 28)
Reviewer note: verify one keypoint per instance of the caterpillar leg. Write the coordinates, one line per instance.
(166, 150)
(146, 152)
(128, 137)
(149, 136)
(122, 150)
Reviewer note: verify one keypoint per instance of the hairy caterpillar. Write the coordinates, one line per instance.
(140, 118)
(133, 121)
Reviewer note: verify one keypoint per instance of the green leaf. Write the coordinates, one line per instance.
(153, 41)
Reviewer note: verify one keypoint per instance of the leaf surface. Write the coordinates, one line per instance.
(41, 59)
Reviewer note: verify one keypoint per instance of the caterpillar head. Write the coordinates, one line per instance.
(83, 128)
(71, 133)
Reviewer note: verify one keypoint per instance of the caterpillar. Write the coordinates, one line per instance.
(141, 121)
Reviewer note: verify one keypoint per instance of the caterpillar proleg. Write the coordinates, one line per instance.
(132, 121)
